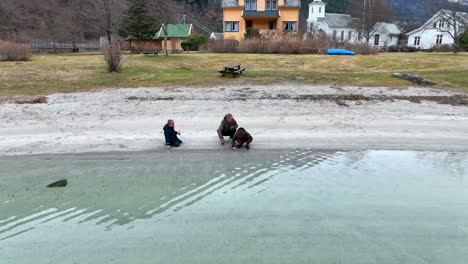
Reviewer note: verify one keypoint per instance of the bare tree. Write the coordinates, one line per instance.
(164, 12)
(370, 12)
(8, 13)
(52, 17)
(107, 15)
(313, 31)
(453, 22)
(78, 22)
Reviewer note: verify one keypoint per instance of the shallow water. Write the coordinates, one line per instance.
(299, 206)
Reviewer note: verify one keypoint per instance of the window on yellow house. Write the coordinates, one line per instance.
(290, 26)
(271, 4)
(231, 26)
(251, 5)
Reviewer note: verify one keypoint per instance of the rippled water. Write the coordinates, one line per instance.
(300, 206)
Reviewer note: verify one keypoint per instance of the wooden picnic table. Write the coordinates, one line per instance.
(235, 70)
(151, 52)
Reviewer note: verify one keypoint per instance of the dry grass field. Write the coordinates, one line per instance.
(46, 74)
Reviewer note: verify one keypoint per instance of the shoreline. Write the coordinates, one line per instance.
(278, 117)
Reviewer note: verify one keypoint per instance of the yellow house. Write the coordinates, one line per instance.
(274, 15)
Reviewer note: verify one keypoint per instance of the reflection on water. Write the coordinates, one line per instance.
(117, 190)
(327, 195)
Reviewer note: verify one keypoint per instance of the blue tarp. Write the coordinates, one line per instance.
(339, 52)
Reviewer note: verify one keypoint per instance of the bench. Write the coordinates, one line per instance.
(235, 70)
(150, 53)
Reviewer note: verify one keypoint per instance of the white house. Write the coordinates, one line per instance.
(340, 27)
(385, 35)
(439, 30)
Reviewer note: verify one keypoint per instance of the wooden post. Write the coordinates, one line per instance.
(165, 39)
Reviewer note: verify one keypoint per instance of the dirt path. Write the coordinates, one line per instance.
(280, 116)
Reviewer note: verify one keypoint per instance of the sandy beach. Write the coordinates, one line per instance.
(281, 116)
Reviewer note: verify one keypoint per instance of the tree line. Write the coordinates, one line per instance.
(75, 21)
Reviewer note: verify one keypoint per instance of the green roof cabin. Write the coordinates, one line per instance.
(176, 34)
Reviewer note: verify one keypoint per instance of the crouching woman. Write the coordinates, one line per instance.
(241, 138)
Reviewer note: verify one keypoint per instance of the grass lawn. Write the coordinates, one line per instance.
(47, 74)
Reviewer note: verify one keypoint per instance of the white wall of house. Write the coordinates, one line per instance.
(343, 34)
(315, 24)
(428, 38)
(384, 35)
(436, 31)
(382, 40)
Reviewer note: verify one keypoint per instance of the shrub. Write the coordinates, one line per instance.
(464, 41)
(252, 45)
(194, 42)
(274, 43)
(409, 49)
(252, 33)
(114, 57)
(360, 48)
(14, 51)
(286, 44)
(441, 48)
(223, 46)
(394, 48)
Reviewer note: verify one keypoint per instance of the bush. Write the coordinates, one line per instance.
(464, 41)
(394, 49)
(14, 51)
(441, 48)
(286, 44)
(252, 33)
(223, 46)
(409, 49)
(114, 57)
(274, 43)
(360, 48)
(194, 42)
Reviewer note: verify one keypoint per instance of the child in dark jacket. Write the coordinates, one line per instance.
(171, 135)
(242, 137)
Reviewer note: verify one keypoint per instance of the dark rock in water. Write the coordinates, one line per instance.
(61, 183)
(428, 82)
(414, 79)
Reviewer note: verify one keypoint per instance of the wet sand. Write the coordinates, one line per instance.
(279, 117)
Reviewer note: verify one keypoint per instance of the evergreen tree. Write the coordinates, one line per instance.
(333, 6)
(337, 6)
(138, 23)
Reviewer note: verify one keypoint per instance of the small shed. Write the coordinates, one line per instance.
(144, 45)
(176, 34)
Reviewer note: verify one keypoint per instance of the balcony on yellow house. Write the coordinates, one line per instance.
(264, 15)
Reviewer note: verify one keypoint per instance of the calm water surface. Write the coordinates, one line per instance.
(297, 206)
